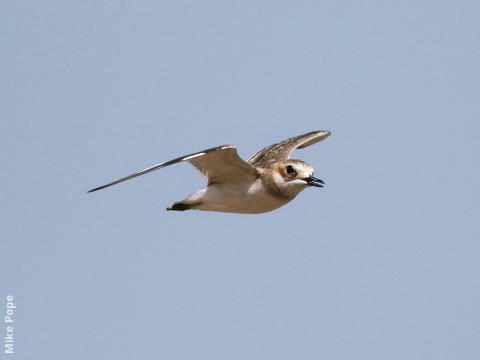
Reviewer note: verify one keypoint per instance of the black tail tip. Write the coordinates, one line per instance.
(179, 206)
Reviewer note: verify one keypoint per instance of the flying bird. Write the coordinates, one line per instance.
(267, 181)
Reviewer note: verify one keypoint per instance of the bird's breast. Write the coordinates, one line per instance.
(249, 198)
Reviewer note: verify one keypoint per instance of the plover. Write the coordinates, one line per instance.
(267, 181)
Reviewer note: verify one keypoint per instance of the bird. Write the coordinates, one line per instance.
(265, 182)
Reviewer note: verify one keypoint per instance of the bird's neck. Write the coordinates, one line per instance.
(274, 187)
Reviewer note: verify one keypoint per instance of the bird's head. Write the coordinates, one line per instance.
(292, 176)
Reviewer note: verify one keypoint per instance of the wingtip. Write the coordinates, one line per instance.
(323, 134)
(95, 189)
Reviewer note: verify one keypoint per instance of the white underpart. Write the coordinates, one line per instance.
(237, 197)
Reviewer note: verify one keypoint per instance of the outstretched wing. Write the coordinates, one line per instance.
(218, 164)
(282, 150)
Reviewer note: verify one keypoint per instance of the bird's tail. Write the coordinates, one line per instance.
(180, 206)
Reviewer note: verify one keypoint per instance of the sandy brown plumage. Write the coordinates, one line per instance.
(267, 181)
(283, 149)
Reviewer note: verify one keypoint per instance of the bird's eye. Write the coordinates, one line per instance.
(290, 169)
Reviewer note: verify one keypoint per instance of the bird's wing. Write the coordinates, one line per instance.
(218, 164)
(282, 150)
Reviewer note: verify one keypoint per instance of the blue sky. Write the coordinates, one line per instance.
(382, 263)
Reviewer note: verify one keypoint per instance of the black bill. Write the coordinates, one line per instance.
(313, 181)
